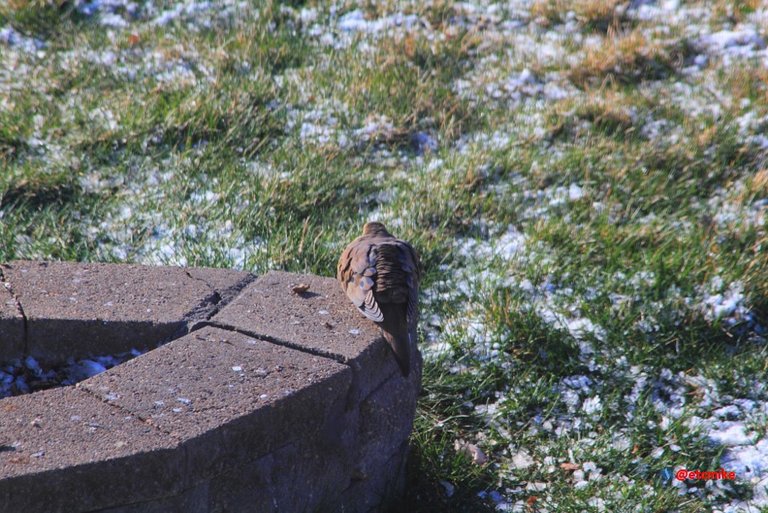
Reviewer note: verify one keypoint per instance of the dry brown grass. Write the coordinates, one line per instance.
(591, 14)
(736, 11)
(758, 184)
(547, 12)
(625, 58)
(749, 81)
(606, 111)
(597, 14)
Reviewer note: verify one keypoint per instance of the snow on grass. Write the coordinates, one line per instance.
(506, 246)
(355, 21)
(727, 304)
(15, 40)
(746, 451)
(729, 45)
(122, 14)
(611, 396)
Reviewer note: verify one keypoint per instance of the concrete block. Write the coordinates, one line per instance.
(64, 450)
(386, 421)
(321, 321)
(380, 491)
(11, 324)
(275, 401)
(194, 500)
(75, 310)
(228, 396)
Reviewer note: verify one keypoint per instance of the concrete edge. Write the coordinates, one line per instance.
(343, 441)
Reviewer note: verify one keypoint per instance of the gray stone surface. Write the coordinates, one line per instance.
(297, 477)
(64, 450)
(321, 321)
(386, 419)
(284, 402)
(228, 396)
(80, 309)
(11, 325)
(226, 282)
(194, 500)
(380, 490)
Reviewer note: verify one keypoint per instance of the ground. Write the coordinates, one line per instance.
(586, 182)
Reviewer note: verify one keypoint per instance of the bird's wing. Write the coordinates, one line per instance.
(356, 272)
(409, 260)
(398, 276)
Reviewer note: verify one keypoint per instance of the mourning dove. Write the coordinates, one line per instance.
(380, 275)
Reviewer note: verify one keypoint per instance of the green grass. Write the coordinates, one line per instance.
(233, 137)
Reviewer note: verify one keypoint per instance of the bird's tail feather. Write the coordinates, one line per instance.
(401, 347)
(396, 333)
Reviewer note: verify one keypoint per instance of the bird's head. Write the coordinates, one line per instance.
(375, 228)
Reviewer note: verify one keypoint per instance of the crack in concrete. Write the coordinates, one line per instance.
(231, 293)
(205, 309)
(352, 394)
(213, 304)
(124, 410)
(265, 338)
(19, 308)
(186, 271)
(381, 385)
(210, 305)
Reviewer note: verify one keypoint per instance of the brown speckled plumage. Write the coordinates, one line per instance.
(380, 274)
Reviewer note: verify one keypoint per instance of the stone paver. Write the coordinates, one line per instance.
(226, 282)
(66, 448)
(275, 401)
(386, 419)
(389, 483)
(194, 500)
(11, 326)
(77, 309)
(306, 476)
(322, 321)
(259, 395)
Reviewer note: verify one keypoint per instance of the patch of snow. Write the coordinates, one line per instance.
(731, 433)
(749, 460)
(592, 406)
(180, 9)
(743, 42)
(14, 39)
(506, 247)
(355, 21)
(113, 20)
(522, 460)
